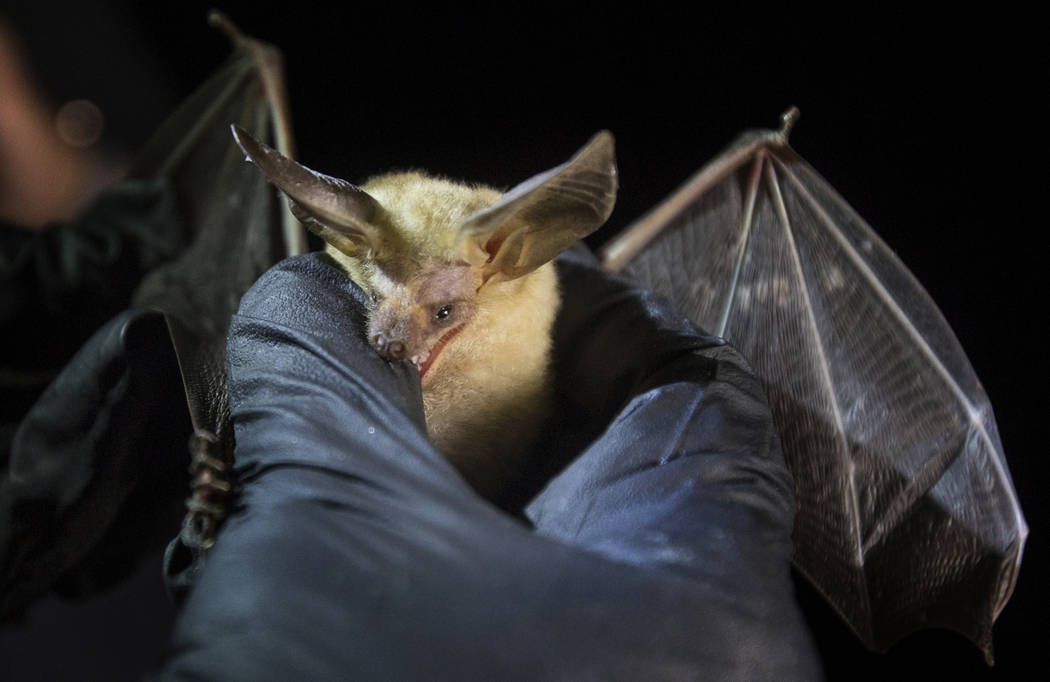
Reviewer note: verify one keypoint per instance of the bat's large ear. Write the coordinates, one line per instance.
(544, 215)
(339, 213)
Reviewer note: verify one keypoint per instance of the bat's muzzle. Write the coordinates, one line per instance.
(391, 349)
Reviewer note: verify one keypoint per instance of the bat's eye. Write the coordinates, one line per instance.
(443, 312)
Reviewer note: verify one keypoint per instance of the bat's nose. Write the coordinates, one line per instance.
(392, 349)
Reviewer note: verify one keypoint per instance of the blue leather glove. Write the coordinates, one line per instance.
(357, 552)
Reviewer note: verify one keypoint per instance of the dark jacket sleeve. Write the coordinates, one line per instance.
(660, 552)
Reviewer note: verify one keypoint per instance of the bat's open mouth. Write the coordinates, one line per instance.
(423, 363)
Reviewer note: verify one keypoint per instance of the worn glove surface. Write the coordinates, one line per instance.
(357, 552)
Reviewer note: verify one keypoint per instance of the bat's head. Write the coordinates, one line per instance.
(428, 251)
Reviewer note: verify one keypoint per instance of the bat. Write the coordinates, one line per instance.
(907, 516)
(887, 455)
(888, 508)
(462, 285)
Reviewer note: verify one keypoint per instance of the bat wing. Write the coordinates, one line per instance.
(239, 226)
(907, 517)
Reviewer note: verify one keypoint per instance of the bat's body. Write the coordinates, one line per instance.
(462, 286)
(482, 355)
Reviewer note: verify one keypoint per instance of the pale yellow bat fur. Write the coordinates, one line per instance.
(488, 392)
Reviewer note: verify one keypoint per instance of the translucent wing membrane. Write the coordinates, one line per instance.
(238, 227)
(907, 516)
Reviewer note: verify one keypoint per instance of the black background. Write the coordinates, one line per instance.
(933, 128)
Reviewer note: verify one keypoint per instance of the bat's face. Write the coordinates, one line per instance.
(423, 293)
(416, 318)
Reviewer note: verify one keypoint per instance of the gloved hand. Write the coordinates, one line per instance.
(357, 552)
